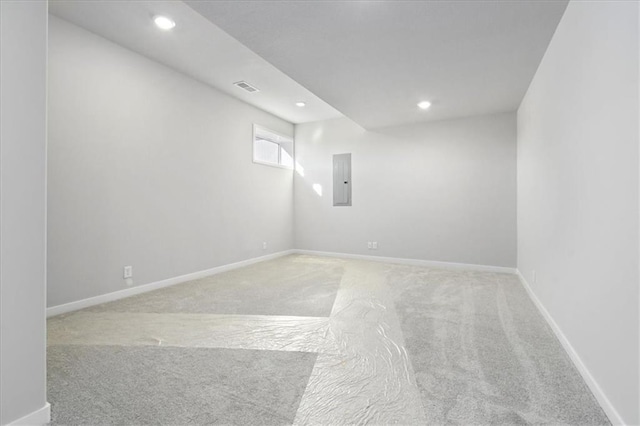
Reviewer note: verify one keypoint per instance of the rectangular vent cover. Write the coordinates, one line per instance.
(246, 86)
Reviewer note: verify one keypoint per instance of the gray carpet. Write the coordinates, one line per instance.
(318, 341)
(116, 385)
(279, 287)
(482, 354)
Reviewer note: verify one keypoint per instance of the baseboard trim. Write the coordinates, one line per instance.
(39, 417)
(600, 396)
(121, 294)
(415, 262)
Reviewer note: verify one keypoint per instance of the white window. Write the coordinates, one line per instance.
(271, 148)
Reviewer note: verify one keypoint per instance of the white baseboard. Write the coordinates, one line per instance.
(37, 418)
(604, 402)
(121, 294)
(415, 262)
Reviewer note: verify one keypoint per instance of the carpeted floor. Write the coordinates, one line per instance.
(483, 355)
(312, 340)
(269, 288)
(128, 385)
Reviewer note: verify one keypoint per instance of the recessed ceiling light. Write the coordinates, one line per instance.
(164, 22)
(424, 104)
(300, 104)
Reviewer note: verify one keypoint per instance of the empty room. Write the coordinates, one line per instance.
(319, 212)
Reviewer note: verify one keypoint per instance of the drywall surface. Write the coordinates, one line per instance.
(443, 191)
(150, 168)
(578, 192)
(23, 56)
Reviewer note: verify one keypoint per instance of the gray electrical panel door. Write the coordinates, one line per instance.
(342, 180)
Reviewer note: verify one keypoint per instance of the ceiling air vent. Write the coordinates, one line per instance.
(246, 86)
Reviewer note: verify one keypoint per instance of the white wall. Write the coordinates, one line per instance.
(23, 35)
(578, 192)
(150, 168)
(441, 191)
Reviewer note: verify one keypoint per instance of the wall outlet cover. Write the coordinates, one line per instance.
(127, 272)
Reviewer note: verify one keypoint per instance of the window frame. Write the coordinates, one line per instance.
(258, 127)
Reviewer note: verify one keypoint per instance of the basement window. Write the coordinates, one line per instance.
(271, 148)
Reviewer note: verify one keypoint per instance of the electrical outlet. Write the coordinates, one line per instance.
(264, 245)
(375, 245)
(533, 277)
(127, 272)
(369, 245)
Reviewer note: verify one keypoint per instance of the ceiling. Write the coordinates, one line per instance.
(374, 60)
(369, 60)
(197, 48)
